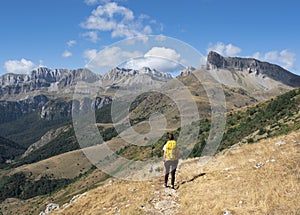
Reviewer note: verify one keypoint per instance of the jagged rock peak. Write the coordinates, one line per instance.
(217, 61)
(46, 74)
(44, 78)
(41, 73)
(10, 79)
(118, 73)
(251, 65)
(155, 73)
(186, 71)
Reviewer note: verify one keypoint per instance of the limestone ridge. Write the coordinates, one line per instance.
(22, 94)
(49, 109)
(46, 75)
(53, 80)
(250, 65)
(119, 72)
(126, 78)
(43, 78)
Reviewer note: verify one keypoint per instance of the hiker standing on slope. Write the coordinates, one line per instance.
(171, 156)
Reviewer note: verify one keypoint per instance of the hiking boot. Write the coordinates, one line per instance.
(173, 187)
(165, 185)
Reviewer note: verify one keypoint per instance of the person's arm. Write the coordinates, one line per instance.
(164, 149)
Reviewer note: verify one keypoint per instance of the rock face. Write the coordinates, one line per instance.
(43, 78)
(49, 109)
(12, 110)
(187, 71)
(49, 100)
(250, 65)
(127, 78)
(55, 109)
(54, 80)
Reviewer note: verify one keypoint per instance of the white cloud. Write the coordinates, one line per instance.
(225, 50)
(66, 54)
(231, 50)
(92, 35)
(160, 64)
(112, 8)
(284, 58)
(271, 56)
(90, 54)
(91, 2)
(71, 43)
(108, 58)
(147, 29)
(144, 16)
(163, 52)
(118, 20)
(19, 66)
(288, 59)
(161, 38)
(159, 58)
(94, 2)
(256, 55)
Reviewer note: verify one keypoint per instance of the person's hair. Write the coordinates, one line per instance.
(170, 136)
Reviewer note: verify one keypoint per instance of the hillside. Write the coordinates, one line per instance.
(8, 150)
(261, 120)
(258, 178)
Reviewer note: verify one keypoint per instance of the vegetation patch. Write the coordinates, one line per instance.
(22, 186)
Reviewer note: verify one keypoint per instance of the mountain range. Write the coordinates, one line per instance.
(46, 95)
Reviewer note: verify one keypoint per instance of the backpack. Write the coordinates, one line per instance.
(172, 152)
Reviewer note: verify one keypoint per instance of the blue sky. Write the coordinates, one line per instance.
(69, 33)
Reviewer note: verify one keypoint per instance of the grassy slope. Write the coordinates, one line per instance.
(229, 181)
(232, 183)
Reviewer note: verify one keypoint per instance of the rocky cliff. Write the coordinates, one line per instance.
(42, 90)
(43, 79)
(128, 78)
(49, 109)
(252, 66)
(12, 110)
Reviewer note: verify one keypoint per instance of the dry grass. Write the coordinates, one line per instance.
(232, 183)
(113, 197)
(67, 165)
(228, 181)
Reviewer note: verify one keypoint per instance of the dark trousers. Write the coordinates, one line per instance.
(170, 165)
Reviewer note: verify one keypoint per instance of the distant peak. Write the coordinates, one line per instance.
(215, 60)
(252, 65)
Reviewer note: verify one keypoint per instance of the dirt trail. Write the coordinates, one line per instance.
(163, 201)
(166, 201)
